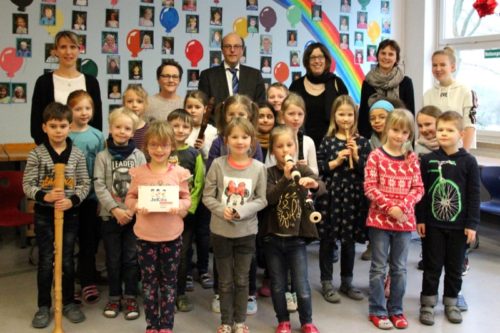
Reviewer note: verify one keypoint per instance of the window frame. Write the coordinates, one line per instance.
(469, 43)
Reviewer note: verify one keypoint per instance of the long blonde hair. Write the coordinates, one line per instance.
(399, 118)
(339, 101)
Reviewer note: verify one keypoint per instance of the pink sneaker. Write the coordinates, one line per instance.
(309, 328)
(265, 290)
(284, 327)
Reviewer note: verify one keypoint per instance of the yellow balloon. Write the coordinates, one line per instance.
(54, 29)
(240, 27)
(373, 31)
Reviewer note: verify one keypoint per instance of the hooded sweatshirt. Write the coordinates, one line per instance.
(461, 172)
(455, 97)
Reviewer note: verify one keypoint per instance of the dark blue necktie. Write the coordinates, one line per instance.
(235, 81)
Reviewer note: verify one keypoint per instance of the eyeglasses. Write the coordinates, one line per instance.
(318, 57)
(170, 77)
(230, 47)
(158, 145)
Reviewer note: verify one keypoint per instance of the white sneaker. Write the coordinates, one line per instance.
(252, 305)
(216, 304)
(291, 301)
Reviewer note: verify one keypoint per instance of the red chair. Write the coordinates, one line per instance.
(11, 194)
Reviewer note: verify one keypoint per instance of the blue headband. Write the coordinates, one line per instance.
(382, 104)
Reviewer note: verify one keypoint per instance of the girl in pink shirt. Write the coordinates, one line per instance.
(159, 233)
(393, 185)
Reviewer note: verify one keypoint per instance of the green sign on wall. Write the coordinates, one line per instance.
(492, 53)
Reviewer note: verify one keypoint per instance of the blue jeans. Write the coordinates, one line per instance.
(233, 258)
(283, 253)
(121, 258)
(387, 246)
(44, 230)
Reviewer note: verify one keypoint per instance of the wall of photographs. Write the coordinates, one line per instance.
(123, 41)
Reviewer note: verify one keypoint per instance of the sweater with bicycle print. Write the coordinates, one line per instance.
(452, 190)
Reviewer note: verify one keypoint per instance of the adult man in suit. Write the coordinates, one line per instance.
(220, 82)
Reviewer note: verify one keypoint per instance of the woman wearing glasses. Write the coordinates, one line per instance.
(319, 88)
(169, 75)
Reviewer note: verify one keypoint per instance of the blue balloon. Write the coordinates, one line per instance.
(309, 43)
(169, 18)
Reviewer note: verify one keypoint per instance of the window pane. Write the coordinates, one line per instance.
(462, 20)
(481, 73)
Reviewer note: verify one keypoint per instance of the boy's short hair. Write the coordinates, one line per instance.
(454, 117)
(182, 115)
(57, 111)
(124, 111)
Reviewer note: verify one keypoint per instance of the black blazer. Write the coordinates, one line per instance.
(213, 82)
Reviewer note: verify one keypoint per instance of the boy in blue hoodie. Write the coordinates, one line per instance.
(447, 216)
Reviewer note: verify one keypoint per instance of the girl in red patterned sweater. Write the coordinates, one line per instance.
(393, 185)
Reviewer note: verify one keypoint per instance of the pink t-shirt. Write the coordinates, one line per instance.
(159, 227)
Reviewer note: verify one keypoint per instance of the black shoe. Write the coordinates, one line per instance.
(420, 265)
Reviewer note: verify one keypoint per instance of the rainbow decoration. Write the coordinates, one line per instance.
(325, 32)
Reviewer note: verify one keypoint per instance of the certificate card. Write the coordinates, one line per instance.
(158, 198)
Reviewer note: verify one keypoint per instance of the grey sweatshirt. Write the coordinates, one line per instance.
(243, 189)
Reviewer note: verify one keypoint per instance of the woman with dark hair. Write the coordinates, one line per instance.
(385, 80)
(319, 88)
(57, 85)
(168, 75)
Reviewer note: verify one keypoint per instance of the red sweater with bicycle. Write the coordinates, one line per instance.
(452, 190)
(392, 181)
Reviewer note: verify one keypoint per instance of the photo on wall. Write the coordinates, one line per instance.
(20, 24)
(79, 20)
(291, 38)
(189, 5)
(215, 58)
(168, 3)
(109, 42)
(23, 47)
(385, 8)
(266, 44)
(344, 41)
(252, 24)
(345, 6)
(113, 64)
(82, 43)
(265, 65)
(316, 12)
(112, 18)
(146, 16)
(252, 5)
(294, 59)
(80, 2)
(114, 89)
(167, 45)
(135, 69)
(4, 92)
(18, 93)
(192, 24)
(359, 39)
(47, 14)
(215, 38)
(344, 23)
(147, 38)
(193, 78)
(362, 20)
(371, 53)
(215, 15)
(50, 54)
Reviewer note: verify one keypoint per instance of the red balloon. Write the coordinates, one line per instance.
(134, 42)
(281, 72)
(114, 2)
(194, 52)
(10, 62)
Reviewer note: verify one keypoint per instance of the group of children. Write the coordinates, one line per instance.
(225, 176)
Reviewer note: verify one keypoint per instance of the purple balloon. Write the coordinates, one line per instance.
(267, 18)
(169, 18)
(21, 4)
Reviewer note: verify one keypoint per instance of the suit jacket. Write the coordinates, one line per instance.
(213, 82)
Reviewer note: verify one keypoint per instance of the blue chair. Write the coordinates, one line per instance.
(490, 177)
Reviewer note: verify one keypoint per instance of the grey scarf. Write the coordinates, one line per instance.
(385, 85)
